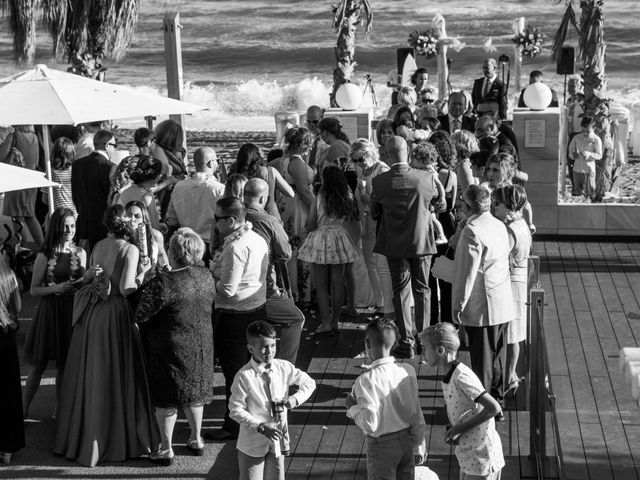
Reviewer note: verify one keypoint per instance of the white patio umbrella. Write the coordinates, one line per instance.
(44, 96)
(16, 178)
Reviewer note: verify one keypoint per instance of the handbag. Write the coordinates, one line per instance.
(444, 269)
(15, 156)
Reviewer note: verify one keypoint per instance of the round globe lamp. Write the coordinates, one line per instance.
(349, 96)
(537, 96)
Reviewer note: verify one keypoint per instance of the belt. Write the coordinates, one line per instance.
(235, 312)
(389, 436)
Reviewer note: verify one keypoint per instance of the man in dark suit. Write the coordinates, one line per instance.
(490, 87)
(400, 203)
(456, 119)
(536, 77)
(90, 183)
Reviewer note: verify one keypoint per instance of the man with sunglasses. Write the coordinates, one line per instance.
(240, 274)
(313, 117)
(90, 185)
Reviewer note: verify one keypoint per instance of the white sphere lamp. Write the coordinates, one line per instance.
(349, 96)
(537, 96)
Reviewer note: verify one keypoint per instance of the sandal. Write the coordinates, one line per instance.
(512, 388)
(162, 457)
(196, 447)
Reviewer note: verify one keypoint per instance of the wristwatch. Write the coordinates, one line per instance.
(261, 429)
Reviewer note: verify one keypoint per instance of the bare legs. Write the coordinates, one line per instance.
(330, 292)
(194, 417)
(166, 418)
(513, 353)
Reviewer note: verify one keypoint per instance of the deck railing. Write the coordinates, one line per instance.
(541, 399)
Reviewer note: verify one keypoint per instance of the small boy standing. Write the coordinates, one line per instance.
(473, 431)
(585, 149)
(384, 404)
(259, 402)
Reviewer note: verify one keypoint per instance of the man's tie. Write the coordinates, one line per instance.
(487, 88)
(456, 125)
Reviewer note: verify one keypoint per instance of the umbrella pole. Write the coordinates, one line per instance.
(47, 159)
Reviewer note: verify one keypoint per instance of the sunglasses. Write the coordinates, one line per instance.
(222, 217)
(113, 144)
(313, 122)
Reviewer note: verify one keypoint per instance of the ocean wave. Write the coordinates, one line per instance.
(251, 105)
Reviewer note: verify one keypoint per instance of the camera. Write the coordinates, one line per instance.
(279, 411)
(503, 58)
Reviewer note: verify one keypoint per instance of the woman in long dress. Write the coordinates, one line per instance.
(58, 267)
(104, 411)
(12, 430)
(294, 211)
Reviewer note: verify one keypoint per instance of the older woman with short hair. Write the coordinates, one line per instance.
(364, 155)
(177, 308)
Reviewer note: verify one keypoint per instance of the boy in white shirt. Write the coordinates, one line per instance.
(259, 402)
(384, 404)
(585, 149)
(469, 407)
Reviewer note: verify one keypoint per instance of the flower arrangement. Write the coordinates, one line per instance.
(424, 42)
(530, 41)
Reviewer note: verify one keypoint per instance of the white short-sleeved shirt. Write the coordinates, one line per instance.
(479, 451)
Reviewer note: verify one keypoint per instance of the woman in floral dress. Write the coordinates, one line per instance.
(58, 268)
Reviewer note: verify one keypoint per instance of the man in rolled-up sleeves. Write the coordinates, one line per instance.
(240, 273)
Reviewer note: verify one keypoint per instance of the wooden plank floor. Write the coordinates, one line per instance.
(590, 290)
(327, 445)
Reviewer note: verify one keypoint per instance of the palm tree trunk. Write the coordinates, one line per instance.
(22, 22)
(345, 49)
(592, 53)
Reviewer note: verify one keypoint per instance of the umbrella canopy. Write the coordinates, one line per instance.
(16, 178)
(44, 96)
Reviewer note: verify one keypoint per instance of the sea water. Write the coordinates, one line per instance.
(247, 59)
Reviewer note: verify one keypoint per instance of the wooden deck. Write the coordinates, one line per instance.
(590, 288)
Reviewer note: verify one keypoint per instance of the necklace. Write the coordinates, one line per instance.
(53, 261)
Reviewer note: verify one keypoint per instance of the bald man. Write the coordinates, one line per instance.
(193, 200)
(400, 203)
(457, 119)
(489, 86)
(319, 148)
(282, 312)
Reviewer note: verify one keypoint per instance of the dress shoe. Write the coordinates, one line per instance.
(219, 435)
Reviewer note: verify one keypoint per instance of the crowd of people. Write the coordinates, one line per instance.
(145, 272)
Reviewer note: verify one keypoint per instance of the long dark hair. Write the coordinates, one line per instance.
(151, 241)
(248, 160)
(62, 154)
(333, 126)
(338, 200)
(170, 136)
(55, 230)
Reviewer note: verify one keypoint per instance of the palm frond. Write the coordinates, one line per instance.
(339, 14)
(569, 18)
(367, 13)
